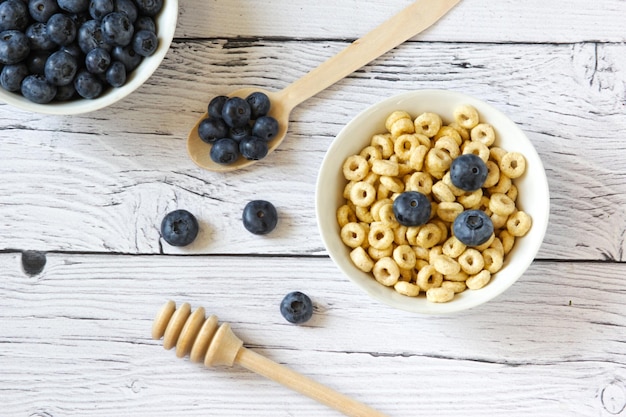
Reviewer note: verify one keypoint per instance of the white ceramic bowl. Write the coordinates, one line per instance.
(533, 195)
(166, 25)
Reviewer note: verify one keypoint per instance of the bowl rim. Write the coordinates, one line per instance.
(338, 252)
(168, 14)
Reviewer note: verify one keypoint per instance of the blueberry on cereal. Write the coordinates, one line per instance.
(472, 227)
(412, 208)
(468, 172)
(296, 307)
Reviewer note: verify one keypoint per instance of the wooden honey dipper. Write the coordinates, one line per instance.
(205, 341)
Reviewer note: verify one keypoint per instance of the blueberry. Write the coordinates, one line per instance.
(65, 92)
(145, 23)
(412, 208)
(296, 307)
(73, 49)
(100, 8)
(128, 7)
(239, 133)
(224, 151)
(236, 112)
(14, 15)
(97, 61)
(33, 262)
(90, 36)
(13, 47)
(116, 74)
(117, 29)
(472, 227)
(60, 68)
(87, 85)
(468, 172)
(216, 105)
(36, 62)
(149, 7)
(38, 38)
(259, 104)
(179, 228)
(74, 6)
(145, 42)
(12, 76)
(61, 29)
(265, 127)
(253, 148)
(36, 89)
(259, 217)
(211, 129)
(127, 56)
(41, 10)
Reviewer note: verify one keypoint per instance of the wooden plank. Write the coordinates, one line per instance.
(102, 182)
(470, 21)
(75, 341)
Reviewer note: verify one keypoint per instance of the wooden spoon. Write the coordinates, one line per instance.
(413, 19)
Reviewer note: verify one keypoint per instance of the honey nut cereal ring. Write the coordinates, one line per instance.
(508, 241)
(362, 194)
(382, 193)
(385, 167)
(464, 133)
(451, 132)
(361, 259)
(394, 117)
(443, 228)
(416, 159)
(445, 265)
(455, 190)
(442, 192)
(513, 192)
(371, 153)
(478, 149)
(411, 234)
(483, 133)
(399, 235)
(419, 265)
(393, 184)
(433, 209)
(501, 204)
(428, 236)
(471, 261)
(404, 256)
(380, 236)
(401, 127)
(377, 254)
(386, 271)
(433, 253)
(498, 220)
(375, 208)
(428, 277)
(404, 145)
(346, 189)
(518, 224)
(352, 235)
(407, 288)
(420, 181)
(387, 216)
(471, 200)
(513, 164)
(503, 185)
(448, 210)
(497, 245)
(355, 168)
(384, 143)
(407, 275)
(345, 215)
(460, 276)
(428, 124)
(493, 174)
(371, 178)
(487, 244)
(453, 247)
(449, 145)
(366, 229)
(496, 153)
(466, 116)
(478, 281)
(363, 214)
(440, 295)
(456, 286)
(437, 161)
(494, 260)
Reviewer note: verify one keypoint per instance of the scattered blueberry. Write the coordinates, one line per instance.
(260, 217)
(12, 76)
(179, 228)
(117, 29)
(472, 227)
(116, 74)
(259, 104)
(41, 10)
(265, 127)
(13, 47)
(468, 172)
(33, 261)
(87, 85)
(412, 208)
(36, 89)
(253, 148)
(60, 68)
(296, 307)
(61, 29)
(97, 61)
(224, 151)
(145, 42)
(236, 112)
(216, 105)
(212, 129)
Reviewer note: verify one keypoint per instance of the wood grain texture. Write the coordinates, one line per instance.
(76, 341)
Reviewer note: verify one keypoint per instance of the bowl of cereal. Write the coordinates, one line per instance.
(71, 57)
(432, 201)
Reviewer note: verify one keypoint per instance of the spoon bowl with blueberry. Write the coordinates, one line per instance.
(224, 138)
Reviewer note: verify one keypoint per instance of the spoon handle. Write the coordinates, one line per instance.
(304, 385)
(413, 19)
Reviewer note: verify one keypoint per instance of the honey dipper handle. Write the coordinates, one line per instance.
(298, 382)
(412, 20)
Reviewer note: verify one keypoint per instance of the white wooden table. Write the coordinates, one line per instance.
(90, 191)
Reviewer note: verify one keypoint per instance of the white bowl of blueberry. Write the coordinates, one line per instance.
(432, 201)
(78, 56)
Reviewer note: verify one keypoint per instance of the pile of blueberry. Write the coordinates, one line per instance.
(238, 127)
(65, 49)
